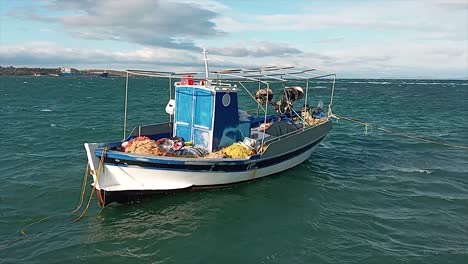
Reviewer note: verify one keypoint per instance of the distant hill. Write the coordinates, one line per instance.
(28, 71)
(25, 71)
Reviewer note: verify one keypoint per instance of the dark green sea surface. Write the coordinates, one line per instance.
(372, 198)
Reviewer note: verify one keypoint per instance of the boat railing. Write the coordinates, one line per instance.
(151, 129)
(286, 135)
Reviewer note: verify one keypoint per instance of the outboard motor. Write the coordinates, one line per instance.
(290, 94)
(294, 93)
(264, 95)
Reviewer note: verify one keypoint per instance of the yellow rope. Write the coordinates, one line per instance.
(83, 191)
(401, 134)
(8, 242)
(35, 222)
(83, 188)
(23, 230)
(101, 162)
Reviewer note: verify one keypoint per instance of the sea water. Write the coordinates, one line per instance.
(361, 198)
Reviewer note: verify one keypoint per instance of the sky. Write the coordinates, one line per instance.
(354, 38)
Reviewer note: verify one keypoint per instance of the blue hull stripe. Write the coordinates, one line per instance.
(173, 164)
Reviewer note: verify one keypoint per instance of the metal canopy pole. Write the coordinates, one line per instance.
(125, 111)
(330, 110)
(265, 120)
(259, 79)
(170, 98)
(307, 93)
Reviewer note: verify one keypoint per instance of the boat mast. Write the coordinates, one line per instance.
(205, 59)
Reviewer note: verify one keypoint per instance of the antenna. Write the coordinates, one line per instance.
(205, 59)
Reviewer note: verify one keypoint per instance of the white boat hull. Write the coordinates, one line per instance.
(120, 178)
(118, 175)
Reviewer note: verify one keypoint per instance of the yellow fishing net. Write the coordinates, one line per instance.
(238, 151)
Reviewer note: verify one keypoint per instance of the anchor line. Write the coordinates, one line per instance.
(398, 133)
(83, 191)
(83, 188)
(338, 117)
(98, 173)
(23, 231)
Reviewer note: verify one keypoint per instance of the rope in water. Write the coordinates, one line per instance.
(83, 191)
(23, 230)
(85, 179)
(398, 133)
(83, 188)
(100, 167)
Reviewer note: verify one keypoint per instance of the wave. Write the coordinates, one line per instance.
(369, 82)
(408, 83)
(416, 170)
(46, 110)
(435, 83)
(407, 170)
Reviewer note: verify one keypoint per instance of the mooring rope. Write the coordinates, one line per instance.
(83, 191)
(33, 223)
(398, 133)
(23, 230)
(83, 188)
(100, 167)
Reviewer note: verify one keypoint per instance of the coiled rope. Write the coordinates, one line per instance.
(398, 133)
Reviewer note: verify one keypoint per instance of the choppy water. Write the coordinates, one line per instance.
(372, 198)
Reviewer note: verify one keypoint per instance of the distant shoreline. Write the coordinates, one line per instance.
(26, 71)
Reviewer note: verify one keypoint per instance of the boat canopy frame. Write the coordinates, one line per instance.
(264, 76)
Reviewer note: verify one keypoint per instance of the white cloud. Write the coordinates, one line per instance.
(384, 16)
(443, 60)
(398, 58)
(387, 39)
(260, 49)
(171, 24)
(212, 5)
(399, 38)
(453, 4)
(45, 53)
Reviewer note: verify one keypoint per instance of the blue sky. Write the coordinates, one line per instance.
(355, 38)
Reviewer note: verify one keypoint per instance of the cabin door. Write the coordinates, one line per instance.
(203, 118)
(183, 113)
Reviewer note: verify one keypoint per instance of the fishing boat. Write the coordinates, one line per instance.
(69, 72)
(208, 141)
